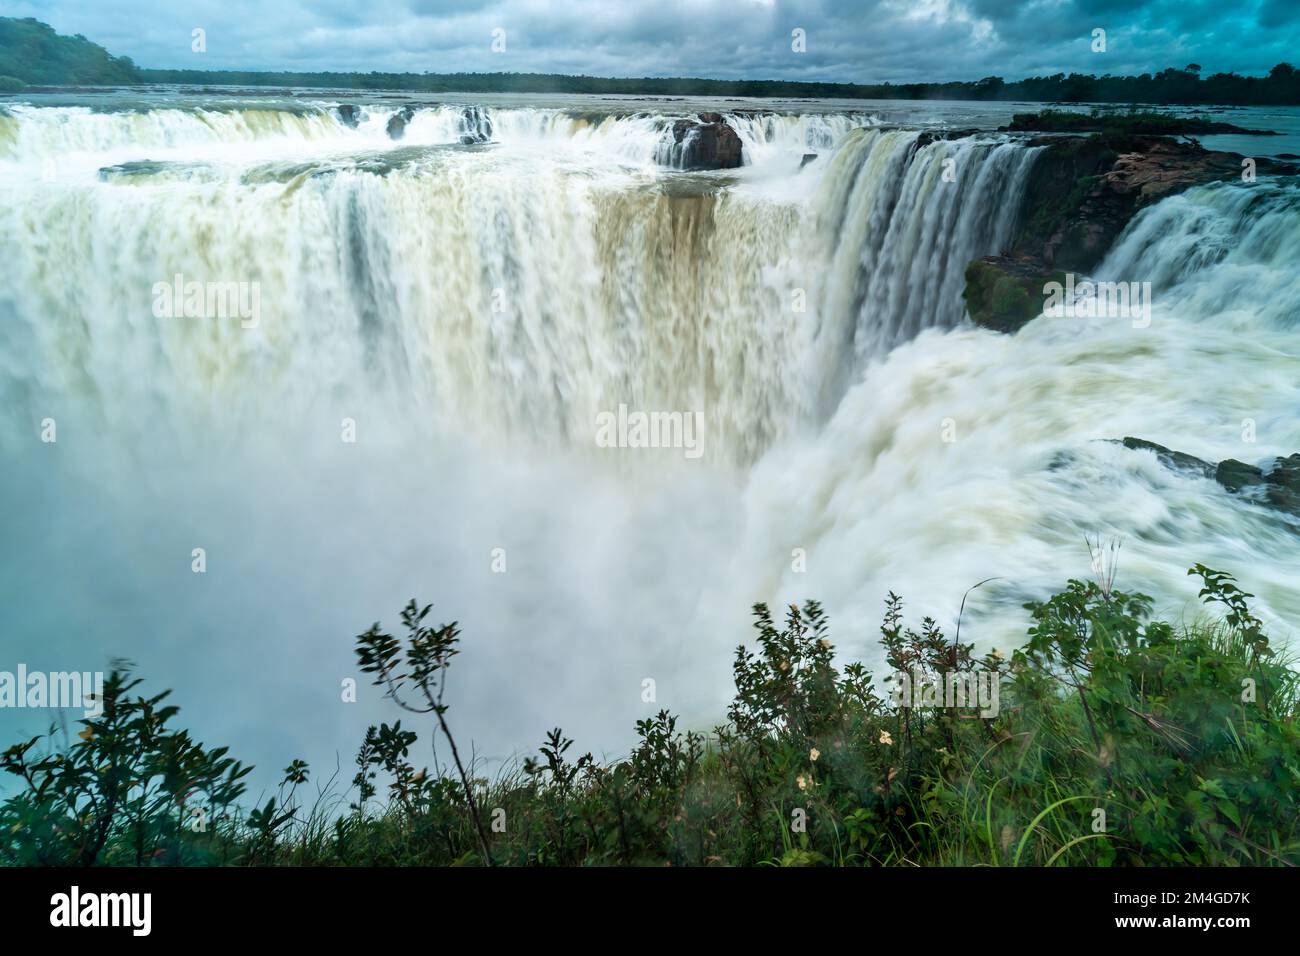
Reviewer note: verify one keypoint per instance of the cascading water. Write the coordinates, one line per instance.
(970, 455)
(471, 296)
(518, 291)
(896, 227)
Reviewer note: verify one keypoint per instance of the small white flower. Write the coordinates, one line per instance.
(886, 739)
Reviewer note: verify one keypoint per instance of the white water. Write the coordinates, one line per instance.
(66, 138)
(379, 265)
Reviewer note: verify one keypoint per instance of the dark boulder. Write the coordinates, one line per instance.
(397, 122)
(1277, 487)
(1179, 461)
(1284, 484)
(710, 144)
(349, 115)
(1237, 475)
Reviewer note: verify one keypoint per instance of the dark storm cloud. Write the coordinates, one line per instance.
(849, 40)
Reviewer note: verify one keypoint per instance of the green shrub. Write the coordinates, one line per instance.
(130, 790)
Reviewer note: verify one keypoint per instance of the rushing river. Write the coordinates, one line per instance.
(428, 330)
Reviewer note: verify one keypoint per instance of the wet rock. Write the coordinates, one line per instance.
(1284, 484)
(1275, 486)
(1081, 194)
(1114, 177)
(807, 158)
(936, 135)
(1177, 460)
(349, 115)
(1004, 292)
(1237, 475)
(397, 122)
(709, 144)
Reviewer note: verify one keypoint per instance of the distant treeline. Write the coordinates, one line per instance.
(32, 53)
(1186, 86)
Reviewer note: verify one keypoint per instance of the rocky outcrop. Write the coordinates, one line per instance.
(1113, 178)
(349, 115)
(1080, 195)
(1276, 486)
(1177, 460)
(397, 122)
(1004, 292)
(707, 144)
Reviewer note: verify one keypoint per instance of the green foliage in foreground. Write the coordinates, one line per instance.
(1119, 740)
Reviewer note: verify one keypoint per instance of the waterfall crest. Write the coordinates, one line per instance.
(504, 286)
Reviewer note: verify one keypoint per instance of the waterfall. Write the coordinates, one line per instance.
(465, 310)
(1223, 252)
(511, 289)
(897, 224)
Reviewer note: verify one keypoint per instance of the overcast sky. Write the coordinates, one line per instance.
(847, 40)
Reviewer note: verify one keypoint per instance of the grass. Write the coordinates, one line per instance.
(1119, 740)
